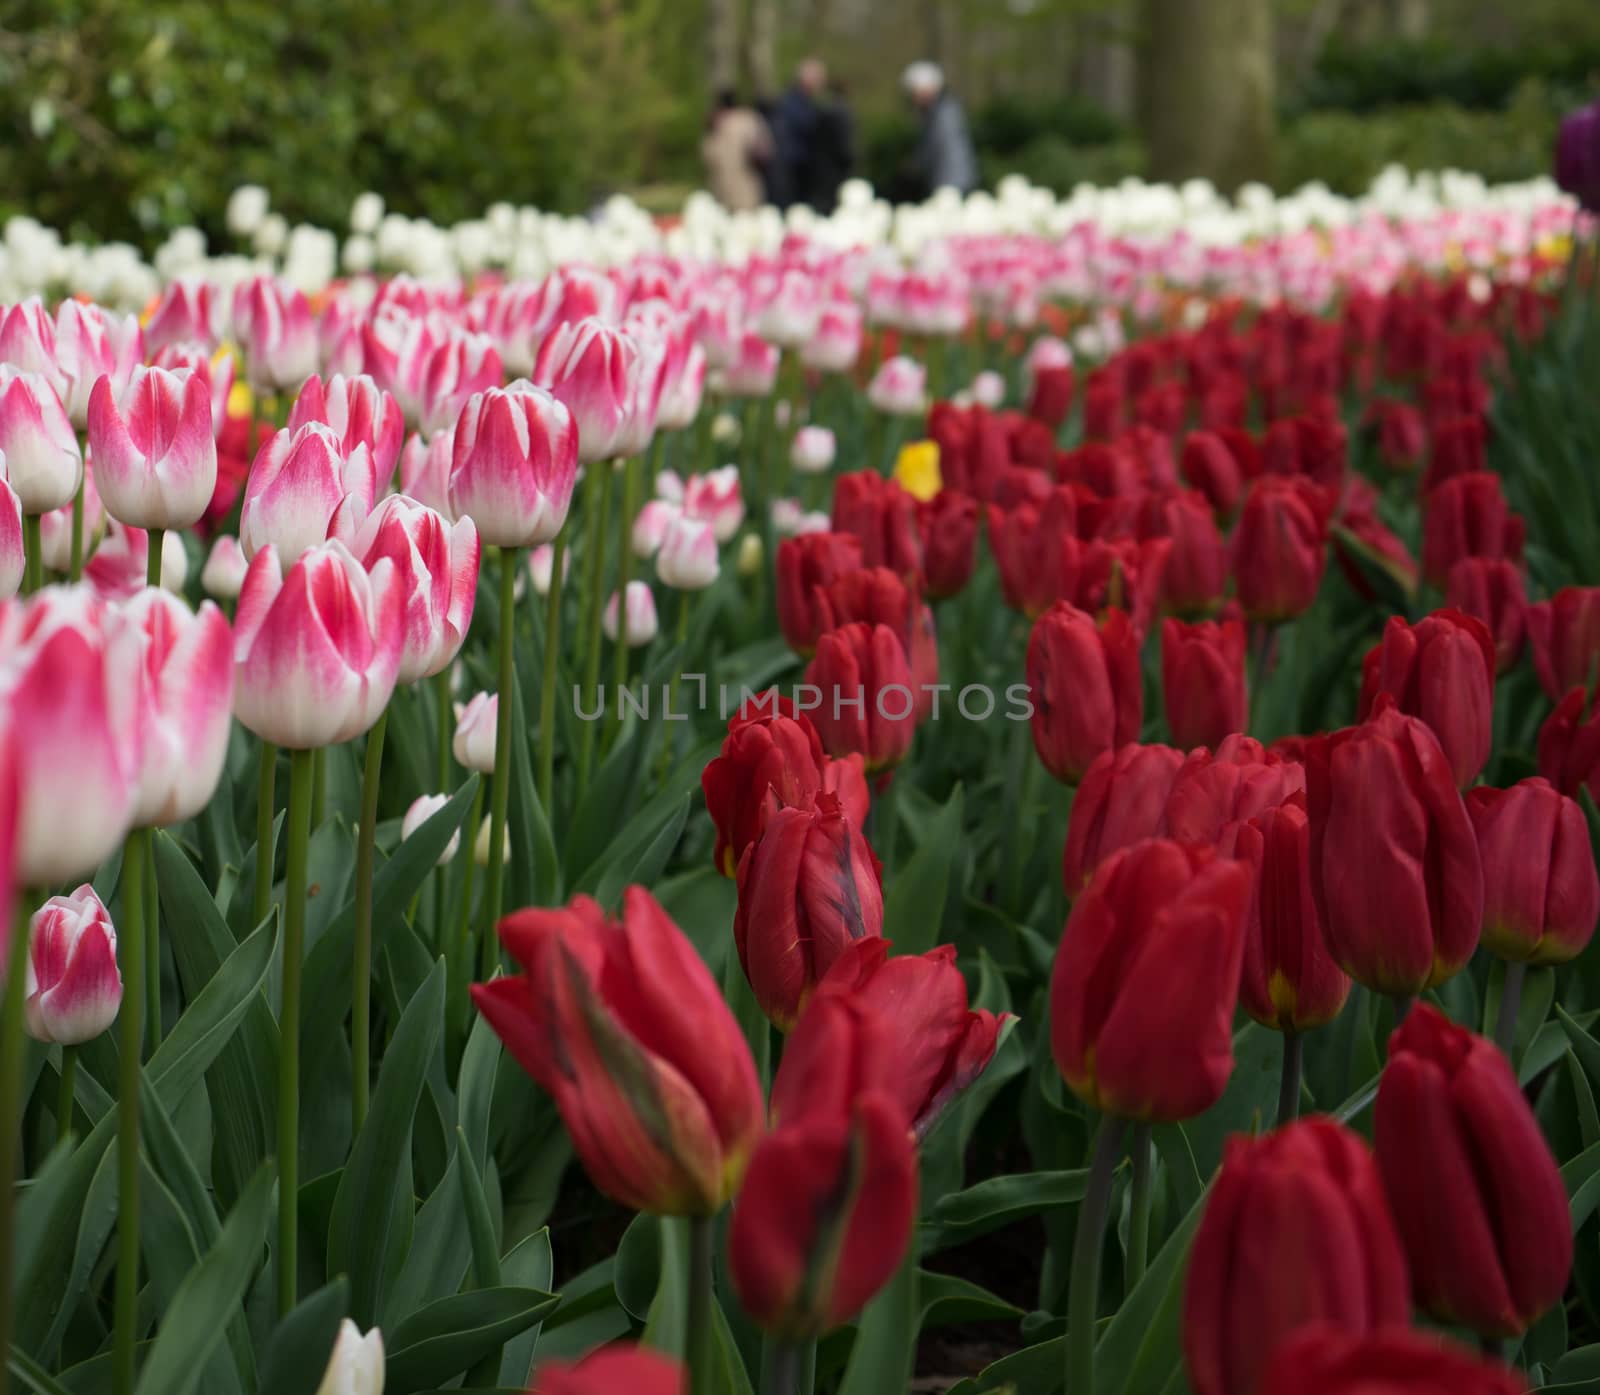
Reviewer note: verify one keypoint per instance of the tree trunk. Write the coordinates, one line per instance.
(1410, 18)
(762, 51)
(1103, 67)
(722, 39)
(1206, 90)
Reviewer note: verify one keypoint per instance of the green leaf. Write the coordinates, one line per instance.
(1143, 1344)
(627, 848)
(642, 870)
(529, 1265)
(1584, 1046)
(1588, 1115)
(605, 803)
(886, 1345)
(998, 1201)
(535, 870)
(372, 1212)
(638, 1265)
(913, 911)
(33, 1376)
(448, 1337)
(479, 1062)
(439, 1254)
(301, 1346)
(197, 1318)
(480, 1224)
(669, 1309)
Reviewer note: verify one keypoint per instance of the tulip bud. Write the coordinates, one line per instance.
(1280, 548)
(1394, 861)
(273, 325)
(1569, 745)
(188, 310)
(916, 470)
(155, 458)
(317, 651)
(586, 365)
(867, 704)
(1468, 517)
(1456, 1140)
(1541, 894)
(804, 565)
(824, 1217)
(948, 524)
(1296, 1229)
(900, 387)
(93, 343)
(13, 556)
(1491, 590)
(514, 464)
(1442, 670)
(618, 1367)
(1086, 686)
(1325, 1360)
(812, 451)
(623, 1025)
(541, 564)
(836, 343)
(223, 574)
(687, 560)
(1215, 792)
(1196, 570)
(1146, 979)
(640, 625)
(753, 372)
(1565, 634)
(1211, 467)
(1203, 681)
(360, 413)
(423, 808)
(74, 988)
(476, 725)
(882, 516)
(462, 365)
(357, 1365)
(482, 843)
(298, 482)
(42, 458)
(751, 556)
(28, 342)
(1121, 800)
(715, 497)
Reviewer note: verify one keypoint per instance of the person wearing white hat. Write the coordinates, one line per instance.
(945, 157)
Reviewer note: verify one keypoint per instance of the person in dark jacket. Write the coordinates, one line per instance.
(796, 121)
(834, 158)
(945, 158)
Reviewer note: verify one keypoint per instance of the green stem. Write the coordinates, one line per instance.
(75, 562)
(1139, 1204)
(699, 1330)
(301, 777)
(685, 604)
(67, 1091)
(319, 786)
(441, 740)
(1505, 1027)
(788, 1369)
(1289, 1081)
(266, 794)
(130, 1033)
(547, 680)
(361, 965)
(1084, 1294)
(502, 739)
(1020, 842)
(152, 949)
(459, 960)
(13, 1048)
(598, 502)
(32, 555)
(619, 653)
(157, 538)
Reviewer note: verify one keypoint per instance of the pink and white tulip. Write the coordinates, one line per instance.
(73, 986)
(119, 566)
(681, 396)
(988, 389)
(356, 1366)
(514, 461)
(12, 560)
(651, 524)
(687, 560)
(189, 309)
(223, 574)
(299, 481)
(462, 365)
(316, 652)
(43, 461)
(789, 315)
(541, 563)
(55, 527)
(716, 497)
(216, 368)
(640, 623)
(474, 742)
(836, 345)
(28, 342)
(754, 373)
(425, 469)
(423, 808)
(899, 387)
(813, 450)
(359, 413)
(94, 343)
(155, 458)
(590, 366)
(273, 326)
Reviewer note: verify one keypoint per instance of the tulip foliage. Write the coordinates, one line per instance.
(733, 827)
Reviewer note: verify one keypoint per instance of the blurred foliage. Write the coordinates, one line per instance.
(1359, 78)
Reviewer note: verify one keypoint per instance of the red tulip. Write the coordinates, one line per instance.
(1146, 979)
(1324, 1360)
(624, 1026)
(868, 701)
(1476, 1194)
(1086, 686)
(804, 565)
(808, 887)
(1196, 570)
(1468, 516)
(1280, 548)
(1565, 634)
(1402, 435)
(1296, 1229)
(1541, 895)
(1203, 681)
(1121, 800)
(622, 1367)
(1030, 542)
(1441, 670)
(1394, 862)
(1050, 399)
(1213, 793)
(1212, 468)
(1491, 589)
(1569, 745)
(949, 526)
(1460, 447)
(882, 517)
(1290, 983)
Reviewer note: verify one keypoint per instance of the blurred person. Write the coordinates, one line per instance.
(796, 122)
(835, 156)
(737, 150)
(944, 157)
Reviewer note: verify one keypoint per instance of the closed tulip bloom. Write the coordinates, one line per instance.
(809, 886)
(94, 343)
(874, 595)
(188, 665)
(812, 451)
(423, 808)
(1394, 861)
(74, 988)
(43, 461)
(1569, 745)
(155, 458)
(1290, 982)
(188, 310)
(805, 564)
(216, 369)
(316, 651)
(425, 463)
(1196, 570)
(28, 342)
(356, 1366)
(1480, 1204)
(482, 844)
(1203, 681)
(836, 344)
(688, 560)
(824, 1218)
(437, 563)
(1442, 670)
(473, 745)
(55, 527)
(623, 1025)
(13, 559)
(1280, 548)
(587, 366)
(1468, 516)
(1296, 1229)
(1121, 800)
(542, 565)
(1541, 895)
(1216, 791)
(1050, 397)
(120, 566)
(681, 396)
(222, 577)
(1460, 447)
(1326, 1360)
(73, 685)
(949, 526)
(1086, 685)
(462, 365)
(639, 625)
(273, 325)
(1491, 589)
(1207, 464)
(1146, 979)
(883, 518)
(360, 413)
(753, 369)
(899, 387)
(514, 464)
(299, 481)
(716, 498)
(1565, 634)
(868, 703)
(621, 1367)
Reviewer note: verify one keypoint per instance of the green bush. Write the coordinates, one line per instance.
(1371, 77)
